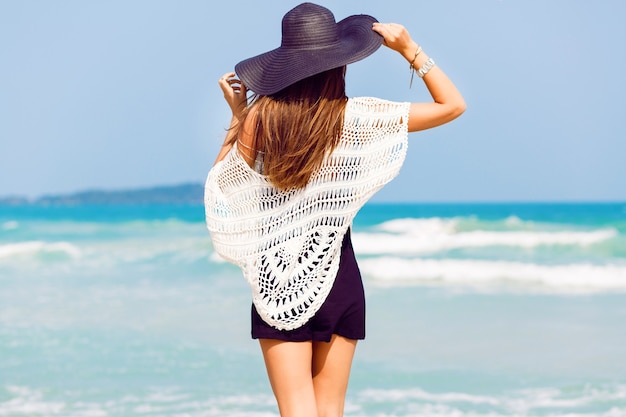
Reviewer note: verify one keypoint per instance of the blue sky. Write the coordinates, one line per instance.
(123, 94)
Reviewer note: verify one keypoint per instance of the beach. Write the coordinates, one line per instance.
(481, 310)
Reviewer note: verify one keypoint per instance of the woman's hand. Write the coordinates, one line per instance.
(397, 38)
(447, 105)
(234, 93)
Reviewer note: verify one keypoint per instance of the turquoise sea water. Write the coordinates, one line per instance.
(478, 310)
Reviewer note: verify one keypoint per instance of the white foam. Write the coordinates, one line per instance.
(513, 403)
(561, 278)
(433, 225)
(10, 225)
(513, 221)
(606, 401)
(25, 401)
(422, 236)
(34, 247)
(401, 395)
(178, 250)
(28, 402)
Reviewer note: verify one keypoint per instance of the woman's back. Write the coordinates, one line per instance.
(257, 222)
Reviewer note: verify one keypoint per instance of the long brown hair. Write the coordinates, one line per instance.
(297, 127)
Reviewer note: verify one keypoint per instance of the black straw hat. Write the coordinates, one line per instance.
(312, 42)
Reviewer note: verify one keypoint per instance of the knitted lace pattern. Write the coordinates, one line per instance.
(288, 243)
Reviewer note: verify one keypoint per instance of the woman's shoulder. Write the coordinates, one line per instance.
(367, 101)
(375, 106)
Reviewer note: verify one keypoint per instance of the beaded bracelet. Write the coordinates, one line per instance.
(411, 67)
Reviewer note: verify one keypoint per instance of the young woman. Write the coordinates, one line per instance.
(299, 160)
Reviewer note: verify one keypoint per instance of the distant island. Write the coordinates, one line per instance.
(189, 193)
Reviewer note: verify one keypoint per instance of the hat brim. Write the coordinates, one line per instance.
(272, 71)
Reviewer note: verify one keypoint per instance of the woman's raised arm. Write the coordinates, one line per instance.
(235, 95)
(448, 103)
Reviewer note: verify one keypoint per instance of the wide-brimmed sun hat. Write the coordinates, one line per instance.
(312, 42)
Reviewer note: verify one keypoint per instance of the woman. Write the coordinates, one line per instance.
(298, 162)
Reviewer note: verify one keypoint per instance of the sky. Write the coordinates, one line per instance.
(123, 94)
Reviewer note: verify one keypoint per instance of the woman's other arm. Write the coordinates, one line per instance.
(235, 96)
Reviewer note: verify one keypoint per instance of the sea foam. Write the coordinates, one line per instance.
(10, 225)
(33, 248)
(425, 236)
(580, 401)
(608, 401)
(581, 277)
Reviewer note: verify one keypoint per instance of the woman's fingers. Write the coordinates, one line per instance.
(234, 91)
(395, 36)
(227, 76)
(225, 81)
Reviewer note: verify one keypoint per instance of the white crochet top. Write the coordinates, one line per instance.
(288, 243)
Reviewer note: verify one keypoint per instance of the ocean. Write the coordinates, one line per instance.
(474, 310)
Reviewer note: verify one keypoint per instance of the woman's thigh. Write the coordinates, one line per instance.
(288, 367)
(331, 371)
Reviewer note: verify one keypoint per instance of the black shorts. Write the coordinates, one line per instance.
(342, 313)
